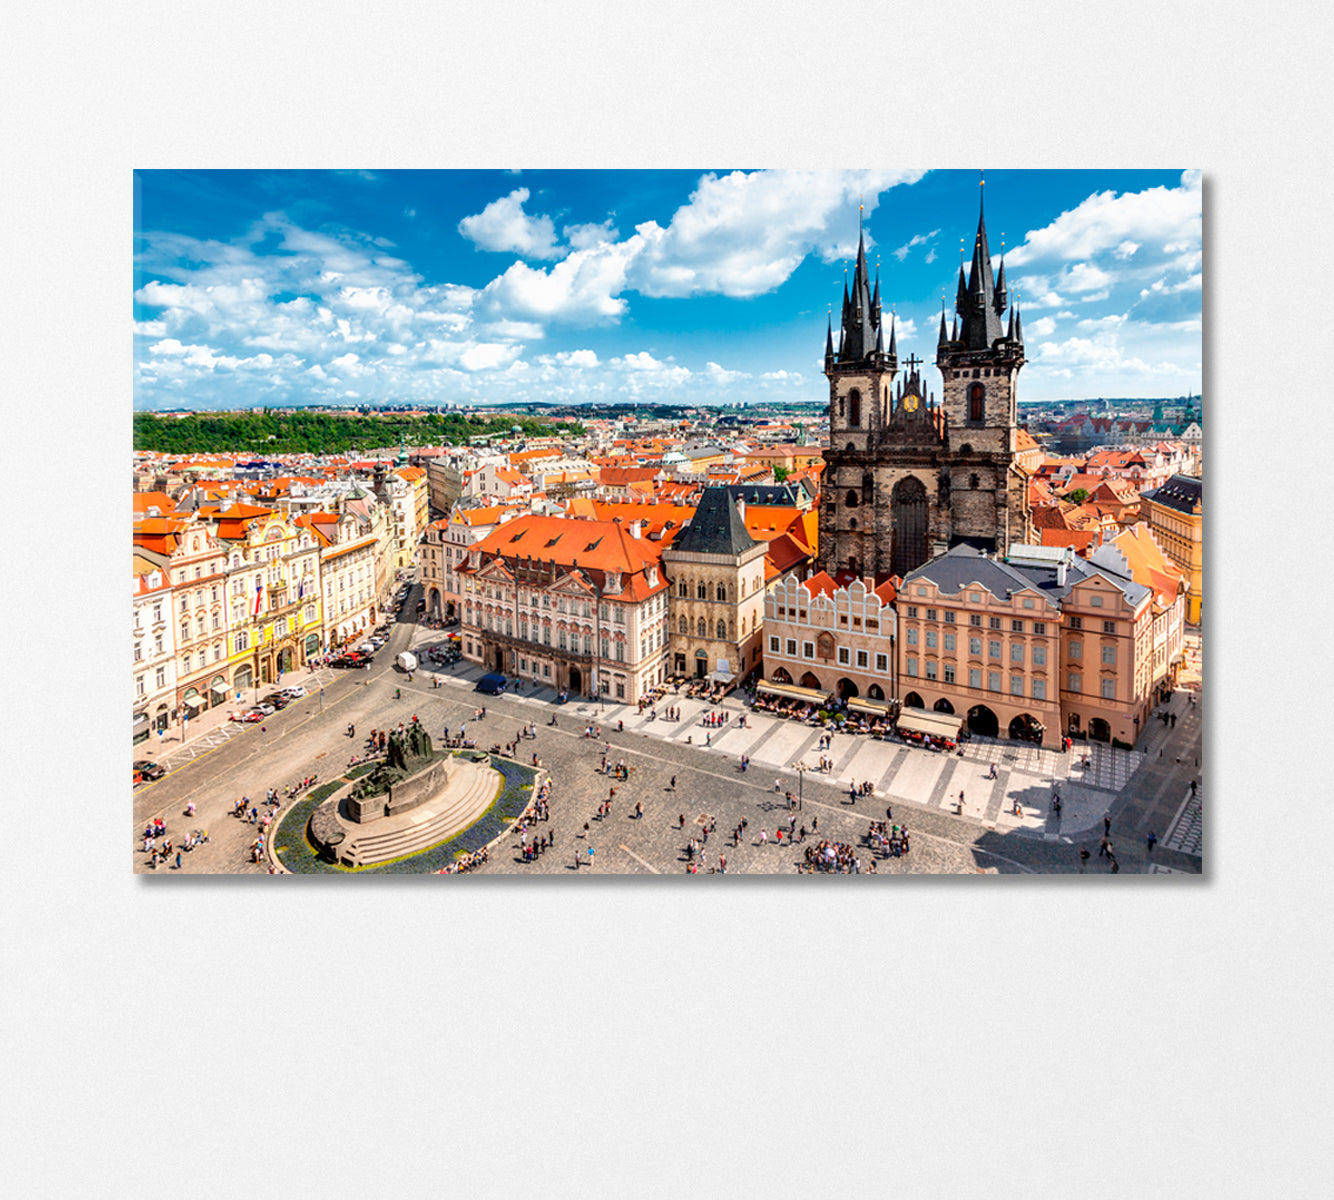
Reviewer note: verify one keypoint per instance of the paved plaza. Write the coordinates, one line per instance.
(1006, 823)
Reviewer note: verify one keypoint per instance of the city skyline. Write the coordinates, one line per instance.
(257, 288)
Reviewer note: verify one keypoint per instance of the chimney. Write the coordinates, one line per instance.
(634, 530)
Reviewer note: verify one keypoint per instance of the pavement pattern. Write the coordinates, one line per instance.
(1001, 824)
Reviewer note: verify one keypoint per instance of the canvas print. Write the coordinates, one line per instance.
(716, 522)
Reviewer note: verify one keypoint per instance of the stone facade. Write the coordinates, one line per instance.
(906, 478)
(716, 609)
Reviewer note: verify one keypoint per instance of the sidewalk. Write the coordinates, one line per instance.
(1026, 776)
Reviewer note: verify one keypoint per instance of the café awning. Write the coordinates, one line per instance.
(194, 701)
(220, 686)
(936, 724)
(790, 691)
(875, 708)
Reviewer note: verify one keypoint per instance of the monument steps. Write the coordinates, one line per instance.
(423, 827)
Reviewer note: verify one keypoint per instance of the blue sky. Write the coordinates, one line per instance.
(709, 286)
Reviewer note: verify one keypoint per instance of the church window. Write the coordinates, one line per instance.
(683, 625)
(851, 501)
(702, 591)
(976, 393)
(842, 406)
(854, 407)
(973, 481)
(722, 629)
(701, 628)
(722, 591)
(852, 525)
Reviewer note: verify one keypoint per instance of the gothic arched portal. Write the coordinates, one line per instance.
(908, 519)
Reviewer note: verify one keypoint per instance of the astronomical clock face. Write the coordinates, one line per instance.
(911, 401)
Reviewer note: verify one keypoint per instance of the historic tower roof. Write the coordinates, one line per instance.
(716, 528)
(979, 302)
(861, 313)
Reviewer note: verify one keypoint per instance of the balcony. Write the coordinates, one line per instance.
(518, 643)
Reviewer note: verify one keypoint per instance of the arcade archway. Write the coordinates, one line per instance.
(982, 721)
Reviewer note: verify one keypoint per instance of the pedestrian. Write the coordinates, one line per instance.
(1107, 821)
(671, 787)
(178, 860)
(1193, 787)
(682, 820)
(1151, 841)
(1083, 858)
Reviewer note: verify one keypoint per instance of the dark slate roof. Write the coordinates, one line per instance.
(1181, 492)
(979, 302)
(716, 527)
(784, 495)
(860, 327)
(1047, 579)
(962, 566)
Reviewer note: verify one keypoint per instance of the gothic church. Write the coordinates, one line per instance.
(906, 477)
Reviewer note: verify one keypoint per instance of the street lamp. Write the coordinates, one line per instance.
(801, 768)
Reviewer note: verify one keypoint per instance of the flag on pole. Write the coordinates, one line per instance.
(259, 595)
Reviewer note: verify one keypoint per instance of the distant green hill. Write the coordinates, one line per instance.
(297, 432)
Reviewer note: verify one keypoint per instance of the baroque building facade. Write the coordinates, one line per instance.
(908, 477)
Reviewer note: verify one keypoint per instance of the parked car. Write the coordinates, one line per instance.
(491, 685)
(250, 717)
(149, 770)
(294, 693)
(277, 701)
(264, 710)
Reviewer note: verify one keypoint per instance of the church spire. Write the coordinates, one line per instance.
(944, 333)
(861, 317)
(893, 343)
(981, 317)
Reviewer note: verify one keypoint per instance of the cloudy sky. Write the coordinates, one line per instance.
(347, 287)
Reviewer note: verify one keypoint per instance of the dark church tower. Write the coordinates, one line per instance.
(979, 362)
(860, 372)
(906, 478)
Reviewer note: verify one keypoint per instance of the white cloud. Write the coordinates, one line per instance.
(503, 225)
(743, 234)
(1083, 277)
(919, 239)
(487, 356)
(1106, 221)
(585, 287)
(723, 377)
(1042, 327)
(582, 237)
(640, 361)
(581, 359)
(1126, 249)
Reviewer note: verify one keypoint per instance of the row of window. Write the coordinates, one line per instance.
(845, 655)
(945, 673)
